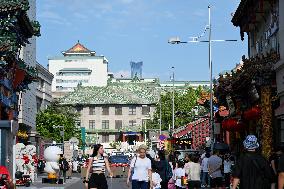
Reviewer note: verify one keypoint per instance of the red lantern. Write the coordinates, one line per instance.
(232, 124)
(253, 113)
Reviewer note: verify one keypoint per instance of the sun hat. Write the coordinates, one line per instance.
(250, 143)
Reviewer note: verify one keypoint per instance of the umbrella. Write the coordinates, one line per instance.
(221, 146)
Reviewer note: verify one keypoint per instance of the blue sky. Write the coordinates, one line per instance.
(138, 30)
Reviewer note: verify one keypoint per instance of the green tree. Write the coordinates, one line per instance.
(56, 115)
(185, 102)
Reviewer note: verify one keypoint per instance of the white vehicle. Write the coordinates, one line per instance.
(114, 153)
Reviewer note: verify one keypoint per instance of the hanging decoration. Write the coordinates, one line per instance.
(253, 113)
(233, 124)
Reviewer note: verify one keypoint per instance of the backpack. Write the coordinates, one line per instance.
(64, 165)
(266, 173)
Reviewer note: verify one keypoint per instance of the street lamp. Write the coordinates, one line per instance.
(176, 40)
(173, 100)
(160, 106)
(61, 126)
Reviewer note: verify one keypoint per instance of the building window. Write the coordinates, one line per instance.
(105, 124)
(118, 124)
(132, 123)
(78, 109)
(105, 138)
(92, 111)
(118, 110)
(145, 110)
(132, 110)
(92, 124)
(105, 111)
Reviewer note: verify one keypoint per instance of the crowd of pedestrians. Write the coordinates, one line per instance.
(216, 170)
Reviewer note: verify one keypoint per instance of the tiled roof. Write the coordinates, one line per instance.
(114, 93)
(78, 48)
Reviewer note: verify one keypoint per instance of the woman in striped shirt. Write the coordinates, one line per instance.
(98, 163)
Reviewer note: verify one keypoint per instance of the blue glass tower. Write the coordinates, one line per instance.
(136, 69)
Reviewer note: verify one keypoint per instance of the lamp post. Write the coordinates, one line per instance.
(173, 100)
(160, 121)
(61, 126)
(176, 40)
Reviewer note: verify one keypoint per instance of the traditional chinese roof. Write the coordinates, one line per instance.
(78, 48)
(14, 20)
(11, 5)
(249, 13)
(114, 93)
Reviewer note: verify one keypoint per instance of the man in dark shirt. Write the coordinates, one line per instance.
(252, 170)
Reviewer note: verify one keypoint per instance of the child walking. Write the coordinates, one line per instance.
(156, 179)
(179, 173)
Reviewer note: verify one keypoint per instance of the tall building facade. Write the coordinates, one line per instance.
(27, 99)
(43, 94)
(78, 66)
(16, 72)
(136, 69)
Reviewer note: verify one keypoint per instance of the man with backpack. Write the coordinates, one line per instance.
(63, 166)
(252, 170)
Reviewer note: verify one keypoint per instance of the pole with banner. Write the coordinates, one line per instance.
(83, 136)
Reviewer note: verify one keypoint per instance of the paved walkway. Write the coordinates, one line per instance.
(38, 183)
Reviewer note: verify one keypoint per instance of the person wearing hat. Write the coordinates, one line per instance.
(252, 169)
(140, 171)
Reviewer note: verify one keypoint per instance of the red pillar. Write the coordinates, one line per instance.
(228, 137)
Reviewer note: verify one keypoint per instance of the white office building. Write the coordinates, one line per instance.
(77, 66)
(43, 93)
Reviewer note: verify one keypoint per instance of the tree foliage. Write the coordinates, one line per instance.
(56, 115)
(185, 102)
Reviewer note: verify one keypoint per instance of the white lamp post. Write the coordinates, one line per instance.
(176, 40)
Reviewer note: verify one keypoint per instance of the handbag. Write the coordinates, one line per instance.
(184, 181)
(132, 170)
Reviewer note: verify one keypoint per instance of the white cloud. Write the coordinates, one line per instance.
(81, 17)
(200, 13)
(127, 1)
(53, 17)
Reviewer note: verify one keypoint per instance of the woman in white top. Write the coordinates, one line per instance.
(179, 173)
(141, 165)
(156, 179)
(193, 173)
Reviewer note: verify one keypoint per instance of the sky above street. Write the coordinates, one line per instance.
(138, 30)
